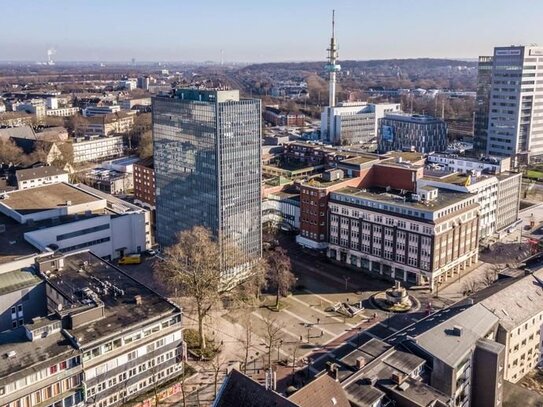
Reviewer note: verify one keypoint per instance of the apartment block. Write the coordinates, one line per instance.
(94, 148)
(102, 340)
(277, 117)
(35, 177)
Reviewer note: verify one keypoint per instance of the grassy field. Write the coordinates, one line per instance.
(534, 174)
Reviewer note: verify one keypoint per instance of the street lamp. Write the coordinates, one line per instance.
(308, 326)
(279, 349)
(346, 278)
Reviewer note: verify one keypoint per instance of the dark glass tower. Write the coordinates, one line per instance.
(207, 158)
(484, 84)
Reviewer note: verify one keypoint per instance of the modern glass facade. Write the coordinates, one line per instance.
(207, 158)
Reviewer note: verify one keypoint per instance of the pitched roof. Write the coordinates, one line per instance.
(441, 341)
(518, 302)
(40, 172)
(24, 132)
(323, 392)
(239, 390)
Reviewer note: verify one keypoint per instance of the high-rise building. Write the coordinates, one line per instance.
(515, 123)
(207, 158)
(402, 131)
(484, 84)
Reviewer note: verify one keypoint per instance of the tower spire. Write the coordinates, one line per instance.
(331, 66)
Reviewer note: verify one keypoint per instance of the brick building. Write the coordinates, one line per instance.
(144, 183)
(279, 118)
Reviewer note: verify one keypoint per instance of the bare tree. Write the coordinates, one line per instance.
(469, 286)
(280, 276)
(194, 265)
(10, 152)
(273, 335)
(145, 147)
(246, 339)
(490, 276)
(217, 364)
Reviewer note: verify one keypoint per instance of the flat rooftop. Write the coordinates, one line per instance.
(361, 159)
(444, 198)
(84, 270)
(46, 197)
(30, 354)
(406, 156)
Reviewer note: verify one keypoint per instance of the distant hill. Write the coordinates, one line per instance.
(402, 64)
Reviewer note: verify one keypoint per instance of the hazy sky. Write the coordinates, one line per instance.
(262, 30)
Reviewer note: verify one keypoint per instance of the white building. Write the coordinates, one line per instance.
(68, 218)
(35, 177)
(91, 111)
(486, 188)
(62, 111)
(282, 210)
(128, 104)
(35, 106)
(519, 308)
(97, 148)
(455, 163)
(353, 123)
(515, 124)
(51, 102)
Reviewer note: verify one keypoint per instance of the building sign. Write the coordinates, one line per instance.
(387, 133)
(537, 51)
(507, 52)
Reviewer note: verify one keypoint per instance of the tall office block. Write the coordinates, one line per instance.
(207, 157)
(515, 124)
(484, 84)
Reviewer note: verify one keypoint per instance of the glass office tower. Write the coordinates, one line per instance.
(207, 158)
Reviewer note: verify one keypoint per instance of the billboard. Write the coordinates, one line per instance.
(387, 133)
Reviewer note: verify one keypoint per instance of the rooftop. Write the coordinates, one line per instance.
(518, 302)
(30, 354)
(239, 390)
(324, 391)
(442, 342)
(361, 159)
(17, 280)
(39, 172)
(417, 118)
(406, 156)
(46, 197)
(86, 281)
(445, 198)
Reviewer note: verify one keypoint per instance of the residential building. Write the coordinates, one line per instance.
(391, 226)
(51, 102)
(144, 183)
(109, 181)
(34, 106)
(62, 111)
(128, 104)
(14, 119)
(515, 112)
(35, 177)
(277, 117)
(354, 123)
(467, 363)
(66, 218)
(91, 111)
(109, 124)
(93, 148)
(21, 294)
(482, 100)
(207, 158)
(401, 131)
(519, 308)
(102, 339)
